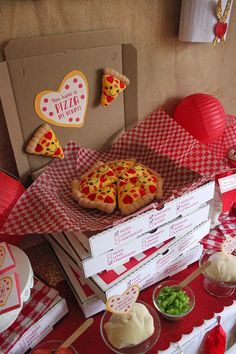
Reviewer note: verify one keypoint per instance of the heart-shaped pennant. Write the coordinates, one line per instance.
(123, 303)
(229, 245)
(67, 106)
(2, 255)
(5, 290)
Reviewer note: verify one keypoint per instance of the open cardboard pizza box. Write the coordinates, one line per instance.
(36, 64)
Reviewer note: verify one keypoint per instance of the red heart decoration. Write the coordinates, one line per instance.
(48, 135)
(220, 29)
(109, 98)
(110, 79)
(57, 152)
(38, 148)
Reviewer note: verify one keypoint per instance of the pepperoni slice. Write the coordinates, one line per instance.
(110, 173)
(122, 85)
(141, 192)
(152, 189)
(109, 98)
(57, 152)
(48, 135)
(122, 183)
(110, 79)
(38, 148)
(127, 199)
(133, 179)
(108, 199)
(92, 196)
(85, 190)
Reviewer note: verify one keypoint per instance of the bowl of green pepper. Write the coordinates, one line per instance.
(173, 302)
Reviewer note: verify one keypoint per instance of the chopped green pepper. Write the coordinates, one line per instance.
(173, 300)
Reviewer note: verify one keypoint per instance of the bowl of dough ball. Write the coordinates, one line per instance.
(135, 332)
(53, 346)
(172, 302)
(220, 276)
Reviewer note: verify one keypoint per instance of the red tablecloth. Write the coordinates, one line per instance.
(91, 341)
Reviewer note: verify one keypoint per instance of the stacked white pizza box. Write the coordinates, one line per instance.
(142, 250)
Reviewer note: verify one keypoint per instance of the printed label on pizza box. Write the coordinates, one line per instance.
(9, 292)
(104, 282)
(127, 231)
(7, 261)
(143, 277)
(121, 255)
(147, 275)
(194, 199)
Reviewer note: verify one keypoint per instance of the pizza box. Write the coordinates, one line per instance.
(152, 261)
(41, 327)
(89, 301)
(129, 230)
(91, 266)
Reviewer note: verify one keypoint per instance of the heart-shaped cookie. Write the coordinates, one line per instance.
(123, 303)
(5, 290)
(2, 255)
(67, 106)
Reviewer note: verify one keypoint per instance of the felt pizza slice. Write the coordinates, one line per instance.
(44, 142)
(146, 178)
(97, 196)
(100, 170)
(132, 197)
(113, 83)
(119, 167)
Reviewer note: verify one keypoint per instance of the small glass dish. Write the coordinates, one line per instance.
(218, 289)
(173, 283)
(52, 346)
(141, 348)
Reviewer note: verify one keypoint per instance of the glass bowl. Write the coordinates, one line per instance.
(187, 290)
(134, 349)
(52, 346)
(218, 289)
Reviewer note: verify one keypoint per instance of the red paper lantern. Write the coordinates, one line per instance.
(202, 115)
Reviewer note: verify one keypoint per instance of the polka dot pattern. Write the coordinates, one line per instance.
(67, 106)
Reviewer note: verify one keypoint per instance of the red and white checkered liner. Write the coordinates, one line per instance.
(41, 298)
(158, 142)
(214, 240)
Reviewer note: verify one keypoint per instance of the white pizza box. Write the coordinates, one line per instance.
(88, 301)
(91, 304)
(102, 242)
(41, 328)
(150, 262)
(120, 255)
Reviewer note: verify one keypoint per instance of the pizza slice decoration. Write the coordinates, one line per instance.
(45, 142)
(125, 184)
(113, 83)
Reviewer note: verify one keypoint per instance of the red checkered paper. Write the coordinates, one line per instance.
(216, 237)
(41, 297)
(158, 142)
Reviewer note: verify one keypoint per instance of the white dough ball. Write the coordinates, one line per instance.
(132, 328)
(222, 268)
